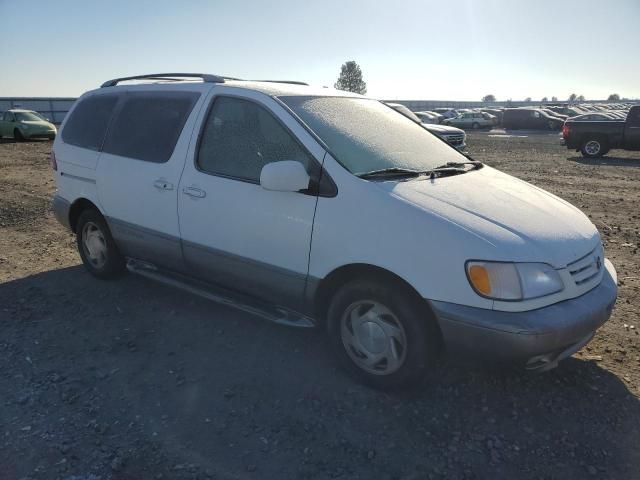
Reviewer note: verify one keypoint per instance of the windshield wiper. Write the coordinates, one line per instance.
(391, 172)
(449, 168)
(453, 168)
(449, 165)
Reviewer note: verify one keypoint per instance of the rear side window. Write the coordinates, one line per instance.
(148, 125)
(88, 122)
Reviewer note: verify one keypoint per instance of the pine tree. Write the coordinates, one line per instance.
(350, 78)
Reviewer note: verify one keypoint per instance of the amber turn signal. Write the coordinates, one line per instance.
(479, 278)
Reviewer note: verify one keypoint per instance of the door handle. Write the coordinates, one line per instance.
(194, 192)
(163, 185)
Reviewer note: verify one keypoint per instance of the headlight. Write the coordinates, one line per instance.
(513, 281)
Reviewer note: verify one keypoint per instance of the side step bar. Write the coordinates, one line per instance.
(276, 314)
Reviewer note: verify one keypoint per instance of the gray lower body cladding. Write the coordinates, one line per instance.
(61, 207)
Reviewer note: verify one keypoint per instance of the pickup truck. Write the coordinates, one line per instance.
(595, 139)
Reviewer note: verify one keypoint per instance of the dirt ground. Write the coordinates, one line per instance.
(131, 380)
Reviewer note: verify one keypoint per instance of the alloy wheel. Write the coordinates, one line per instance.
(592, 147)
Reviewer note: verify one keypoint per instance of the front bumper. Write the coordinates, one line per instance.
(540, 338)
(39, 134)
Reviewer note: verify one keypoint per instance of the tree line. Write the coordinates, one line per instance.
(614, 97)
(351, 80)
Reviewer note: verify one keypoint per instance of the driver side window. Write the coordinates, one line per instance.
(240, 137)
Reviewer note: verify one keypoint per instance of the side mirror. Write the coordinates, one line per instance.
(284, 176)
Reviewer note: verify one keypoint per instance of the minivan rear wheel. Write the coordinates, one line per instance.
(96, 246)
(381, 334)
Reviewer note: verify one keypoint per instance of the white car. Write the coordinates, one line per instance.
(315, 207)
(428, 117)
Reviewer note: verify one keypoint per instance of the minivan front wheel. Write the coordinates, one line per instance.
(381, 334)
(96, 246)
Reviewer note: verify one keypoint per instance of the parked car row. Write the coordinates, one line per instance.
(547, 117)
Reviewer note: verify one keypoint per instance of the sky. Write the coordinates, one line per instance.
(407, 49)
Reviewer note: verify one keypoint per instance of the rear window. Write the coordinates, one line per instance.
(88, 122)
(148, 125)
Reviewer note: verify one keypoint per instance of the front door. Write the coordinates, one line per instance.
(234, 232)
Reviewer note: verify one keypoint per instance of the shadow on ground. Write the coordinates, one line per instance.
(607, 161)
(29, 140)
(130, 379)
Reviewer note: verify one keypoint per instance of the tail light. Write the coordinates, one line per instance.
(565, 131)
(52, 161)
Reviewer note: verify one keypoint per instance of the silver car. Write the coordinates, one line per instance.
(474, 120)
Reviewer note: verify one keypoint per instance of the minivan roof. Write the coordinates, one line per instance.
(268, 87)
(284, 89)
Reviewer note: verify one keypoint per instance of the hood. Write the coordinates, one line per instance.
(516, 220)
(443, 129)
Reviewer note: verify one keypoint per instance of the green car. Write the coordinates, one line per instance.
(25, 124)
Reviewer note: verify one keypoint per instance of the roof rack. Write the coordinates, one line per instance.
(166, 76)
(292, 82)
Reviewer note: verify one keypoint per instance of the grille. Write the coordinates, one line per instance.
(454, 139)
(588, 267)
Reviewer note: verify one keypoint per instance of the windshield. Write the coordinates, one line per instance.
(27, 117)
(365, 135)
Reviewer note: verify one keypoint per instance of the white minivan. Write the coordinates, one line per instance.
(316, 207)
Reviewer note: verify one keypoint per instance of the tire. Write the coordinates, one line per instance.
(96, 246)
(594, 147)
(391, 349)
(552, 126)
(17, 135)
(475, 125)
